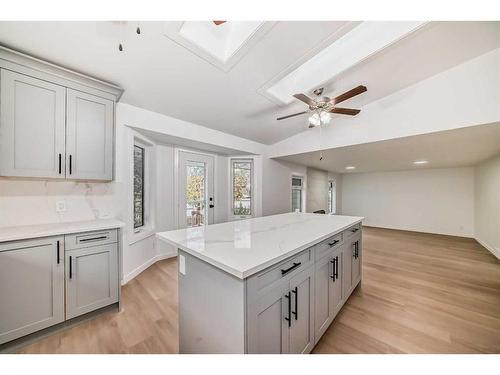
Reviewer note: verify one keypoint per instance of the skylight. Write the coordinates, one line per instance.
(221, 45)
(364, 40)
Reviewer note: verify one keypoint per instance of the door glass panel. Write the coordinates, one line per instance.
(296, 200)
(196, 197)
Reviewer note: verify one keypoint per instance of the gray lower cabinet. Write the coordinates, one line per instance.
(282, 320)
(91, 279)
(46, 281)
(31, 286)
(352, 264)
(328, 290)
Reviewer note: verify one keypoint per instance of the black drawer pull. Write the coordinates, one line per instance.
(93, 239)
(295, 265)
(296, 292)
(58, 252)
(354, 230)
(333, 243)
(70, 267)
(289, 319)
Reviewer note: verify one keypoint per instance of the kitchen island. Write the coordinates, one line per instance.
(271, 284)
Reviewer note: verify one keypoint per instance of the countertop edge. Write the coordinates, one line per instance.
(252, 271)
(56, 231)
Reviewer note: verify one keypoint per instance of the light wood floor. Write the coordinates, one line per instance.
(421, 293)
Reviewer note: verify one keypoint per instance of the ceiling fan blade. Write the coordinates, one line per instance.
(217, 23)
(345, 111)
(295, 114)
(305, 99)
(349, 94)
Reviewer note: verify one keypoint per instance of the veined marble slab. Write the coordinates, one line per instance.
(245, 247)
(56, 229)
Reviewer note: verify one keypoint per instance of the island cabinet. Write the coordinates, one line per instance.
(352, 266)
(54, 123)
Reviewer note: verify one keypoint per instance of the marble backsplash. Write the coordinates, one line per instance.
(27, 202)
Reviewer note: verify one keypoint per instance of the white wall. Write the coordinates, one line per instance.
(317, 190)
(277, 185)
(428, 200)
(487, 202)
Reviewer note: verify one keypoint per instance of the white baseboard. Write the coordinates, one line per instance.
(146, 265)
(491, 249)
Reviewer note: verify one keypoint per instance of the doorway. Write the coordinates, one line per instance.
(196, 189)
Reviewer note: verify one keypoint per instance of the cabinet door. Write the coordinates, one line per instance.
(267, 327)
(32, 121)
(324, 304)
(356, 262)
(302, 298)
(31, 286)
(91, 279)
(89, 138)
(337, 291)
(347, 255)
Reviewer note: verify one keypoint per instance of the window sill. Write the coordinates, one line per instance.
(141, 234)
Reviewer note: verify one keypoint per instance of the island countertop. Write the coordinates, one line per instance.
(245, 247)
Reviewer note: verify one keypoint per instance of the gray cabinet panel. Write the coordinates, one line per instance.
(347, 267)
(91, 279)
(89, 138)
(302, 299)
(32, 127)
(324, 309)
(267, 328)
(337, 291)
(31, 286)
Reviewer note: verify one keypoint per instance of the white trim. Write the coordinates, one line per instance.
(303, 189)
(134, 273)
(231, 215)
(491, 249)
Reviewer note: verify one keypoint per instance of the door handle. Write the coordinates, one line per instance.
(70, 164)
(211, 203)
(70, 267)
(336, 267)
(333, 269)
(289, 319)
(296, 292)
(60, 156)
(58, 252)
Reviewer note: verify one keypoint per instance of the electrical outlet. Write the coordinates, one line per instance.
(61, 206)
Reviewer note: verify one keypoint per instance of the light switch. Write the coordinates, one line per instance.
(182, 264)
(61, 206)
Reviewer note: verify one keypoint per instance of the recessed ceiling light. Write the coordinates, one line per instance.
(420, 162)
(349, 168)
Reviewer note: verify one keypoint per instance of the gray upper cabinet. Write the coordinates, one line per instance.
(89, 137)
(91, 279)
(31, 286)
(32, 127)
(54, 123)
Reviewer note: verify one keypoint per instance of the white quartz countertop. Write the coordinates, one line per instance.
(56, 229)
(245, 247)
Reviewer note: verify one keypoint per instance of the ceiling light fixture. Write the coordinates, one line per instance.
(350, 168)
(320, 118)
(420, 162)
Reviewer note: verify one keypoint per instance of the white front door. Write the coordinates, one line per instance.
(196, 189)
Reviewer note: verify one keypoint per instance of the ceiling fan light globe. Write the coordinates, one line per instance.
(320, 118)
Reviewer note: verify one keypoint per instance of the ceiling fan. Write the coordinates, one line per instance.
(322, 106)
(217, 23)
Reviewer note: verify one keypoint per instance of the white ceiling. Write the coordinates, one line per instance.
(453, 148)
(160, 75)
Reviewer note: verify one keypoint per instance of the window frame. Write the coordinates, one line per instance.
(232, 162)
(139, 145)
(300, 188)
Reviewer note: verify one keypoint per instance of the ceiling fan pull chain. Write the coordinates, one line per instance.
(320, 140)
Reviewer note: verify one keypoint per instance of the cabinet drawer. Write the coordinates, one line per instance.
(331, 243)
(261, 282)
(355, 229)
(96, 238)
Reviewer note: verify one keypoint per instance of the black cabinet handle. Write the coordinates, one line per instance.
(70, 165)
(354, 230)
(58, 251)
(336, 267)
(93, 238)
(70, 267)
(289, 319)
(333, 243)
(333, 269)
(295, 265)
(60, 156)
(296, 292)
